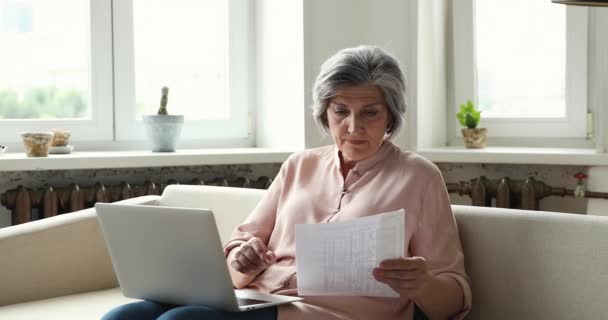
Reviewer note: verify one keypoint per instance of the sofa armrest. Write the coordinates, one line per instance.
(57, 256)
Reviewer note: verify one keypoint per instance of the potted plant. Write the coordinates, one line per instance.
(163, 129)
(469, 117)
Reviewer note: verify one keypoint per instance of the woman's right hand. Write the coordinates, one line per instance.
(252, 257)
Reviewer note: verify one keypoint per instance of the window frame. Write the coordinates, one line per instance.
(112, 88)
(508, 130)
(234, 132)
(99, 127)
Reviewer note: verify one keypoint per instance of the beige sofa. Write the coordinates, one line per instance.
(523, 264)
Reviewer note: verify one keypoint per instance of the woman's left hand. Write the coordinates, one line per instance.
(407, 276)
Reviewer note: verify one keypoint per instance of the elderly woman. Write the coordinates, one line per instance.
(359, 97)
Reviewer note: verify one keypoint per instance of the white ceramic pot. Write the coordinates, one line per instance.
(163, 131)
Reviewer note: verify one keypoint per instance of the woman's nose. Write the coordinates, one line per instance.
(354, 123)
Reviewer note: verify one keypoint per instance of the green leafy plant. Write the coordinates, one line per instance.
(468, 116)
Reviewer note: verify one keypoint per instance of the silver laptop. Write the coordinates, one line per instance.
(174, 255)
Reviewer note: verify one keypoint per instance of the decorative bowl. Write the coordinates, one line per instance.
(60, 138)
(37, 143)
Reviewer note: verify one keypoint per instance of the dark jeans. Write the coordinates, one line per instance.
(147, 310)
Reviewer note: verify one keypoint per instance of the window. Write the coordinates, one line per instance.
(94, 67)
(46, 76)
(199, 49)
(525, 64)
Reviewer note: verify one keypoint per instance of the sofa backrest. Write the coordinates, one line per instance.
(534, 264)
(56, 256)
(230, 205)
(522, 264)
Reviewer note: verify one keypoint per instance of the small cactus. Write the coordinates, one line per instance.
(162, 110)
(468, 116)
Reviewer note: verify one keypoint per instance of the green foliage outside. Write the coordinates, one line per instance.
(43, 103)
(468, 116)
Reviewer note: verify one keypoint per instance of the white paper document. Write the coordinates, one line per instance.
(337, 259)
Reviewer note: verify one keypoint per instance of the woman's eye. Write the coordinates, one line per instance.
(340, 111)
(371, 113)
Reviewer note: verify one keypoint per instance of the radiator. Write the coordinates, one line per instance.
(508, 193)
(29, 204)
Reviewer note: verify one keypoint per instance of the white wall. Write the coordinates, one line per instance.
(279, 75)
(598, 75)
(331, 25)
(598, 102)
(432, 73)
(295, 37)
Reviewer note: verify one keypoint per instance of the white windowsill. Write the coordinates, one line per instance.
(194, 157)
(138, 159)
(519, 155)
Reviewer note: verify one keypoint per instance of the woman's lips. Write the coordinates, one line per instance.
(357, 142)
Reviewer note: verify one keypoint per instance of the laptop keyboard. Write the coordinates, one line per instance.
(248, 302)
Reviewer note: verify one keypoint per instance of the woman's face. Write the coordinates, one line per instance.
(358, 119)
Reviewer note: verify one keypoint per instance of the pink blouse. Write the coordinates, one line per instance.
(309, 188)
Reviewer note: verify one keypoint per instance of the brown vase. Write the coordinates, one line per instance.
(475, 138)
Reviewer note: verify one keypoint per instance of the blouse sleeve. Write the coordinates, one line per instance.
(437, 240)
(260, 222)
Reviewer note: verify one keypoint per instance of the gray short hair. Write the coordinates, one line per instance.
(363, 65)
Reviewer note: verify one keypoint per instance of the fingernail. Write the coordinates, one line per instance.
(268, 256)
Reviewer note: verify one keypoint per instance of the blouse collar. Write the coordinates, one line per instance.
(363, 166)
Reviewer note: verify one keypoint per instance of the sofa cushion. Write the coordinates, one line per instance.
(90, 305)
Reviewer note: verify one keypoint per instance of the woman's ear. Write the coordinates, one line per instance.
(390, 127)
